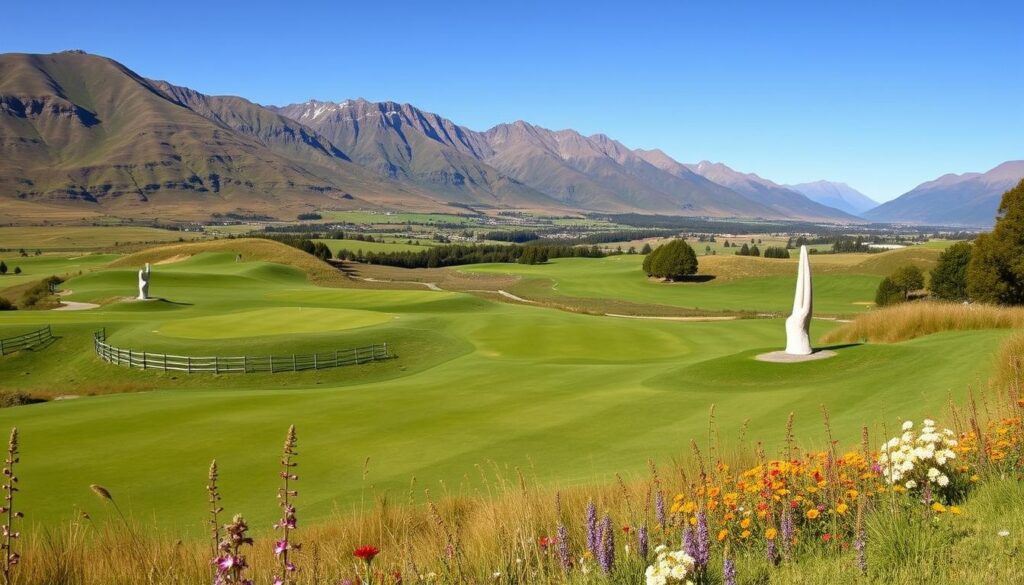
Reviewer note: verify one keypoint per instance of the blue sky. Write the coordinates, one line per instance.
(880, 95)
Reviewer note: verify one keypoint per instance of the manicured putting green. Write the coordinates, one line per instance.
(275, 321)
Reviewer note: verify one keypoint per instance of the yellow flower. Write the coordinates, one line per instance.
(745, 534)
(842, 508)
(975, 478)
(852, 494)
(689, 507)
(745, 523)
(955, 510)
(812, 514)
(722, 534)
(812, 489)
(938, 507)
(770, 533)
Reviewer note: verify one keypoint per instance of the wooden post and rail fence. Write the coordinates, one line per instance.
(237, 364)
(26, 340)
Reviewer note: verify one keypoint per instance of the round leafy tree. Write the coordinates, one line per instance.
(672, 261)
(949, 277)
(995, 273)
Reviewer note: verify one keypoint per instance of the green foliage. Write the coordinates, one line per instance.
(17, 269)
(646, 249)
(776, 252)
(995, 273)
(309, 216)
(949, 277)
(755, 251)
(3, 267)
(673, 261)
(6, 305)
(888, 293)
(744, 251)
(908, 278)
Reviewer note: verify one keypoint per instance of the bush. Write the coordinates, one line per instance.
(888, 293)
(776, 252)
(16, 398)
(908, 278)
(949, 277)
(6, 305)
(673, 261)
(309, 216)
(995, 273)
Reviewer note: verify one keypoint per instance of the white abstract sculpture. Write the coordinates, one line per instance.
(144, 283)
(798, 325)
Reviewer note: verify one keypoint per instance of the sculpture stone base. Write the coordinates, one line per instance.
(781, 357)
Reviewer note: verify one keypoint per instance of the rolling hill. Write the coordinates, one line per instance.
(970, 199)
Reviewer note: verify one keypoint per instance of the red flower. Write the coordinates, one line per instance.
(546, 541)
(625, 529)
(826, 537)
(366, 553)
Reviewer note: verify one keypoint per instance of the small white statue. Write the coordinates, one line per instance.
(144, 283)
(798, 325)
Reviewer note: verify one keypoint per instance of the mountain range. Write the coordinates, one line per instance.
(85, 132)
(970, 199)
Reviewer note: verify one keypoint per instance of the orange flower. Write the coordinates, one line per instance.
(745, 534)
(745, 523)
(812, 514)
(722, 534)
(771, 533)
(841, 508)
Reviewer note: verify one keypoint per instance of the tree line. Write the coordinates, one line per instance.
(461, 254)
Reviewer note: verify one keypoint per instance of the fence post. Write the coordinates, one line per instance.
(271, 363)
(188, 363)
(315, 365)
(293, 362)
(165, 362)
(143, 360)
(245, 364)
(385, 350)
(2, 352)
(216, 365)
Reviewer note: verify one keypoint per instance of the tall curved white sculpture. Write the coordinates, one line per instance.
(798, 325)
(144, 283)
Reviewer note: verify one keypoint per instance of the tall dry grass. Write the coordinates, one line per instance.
(910, 320)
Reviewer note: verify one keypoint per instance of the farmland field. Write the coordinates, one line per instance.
(569, 398)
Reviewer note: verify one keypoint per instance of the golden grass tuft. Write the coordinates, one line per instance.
(910, 320)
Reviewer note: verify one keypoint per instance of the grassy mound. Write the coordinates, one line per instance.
(250, 249)
(910, 320)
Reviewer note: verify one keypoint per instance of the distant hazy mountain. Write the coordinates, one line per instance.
(838, 195)
(970, 199)
(784, 201)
